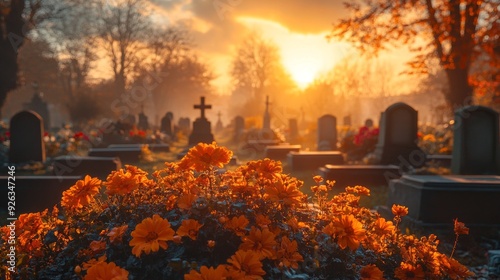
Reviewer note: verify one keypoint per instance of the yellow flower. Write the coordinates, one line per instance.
(288, 253)
(406, 271)
(150, 235)
(246, 262)
(348, 231)
(371, 272)
(81, 194)
(203, 156)
(108, 271)
(260, 242)
(189, 228)
(207, 273)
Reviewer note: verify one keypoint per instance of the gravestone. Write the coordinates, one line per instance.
(99, 167)
(201, 127)
(293, 128)
(266, 124)
(219, 126)
(476, 142)
(166, 124)
(327, 133)
(36, 193)
(280, 152)
(434, 201)
(143, 120)
(184, 125)
(365, 175)
(39, 106)
(312, 160)
(26, 138)
(347, 121)
(397, 140)
(239, 127)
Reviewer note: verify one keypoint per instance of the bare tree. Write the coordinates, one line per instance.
(256, 65)
(124, 28)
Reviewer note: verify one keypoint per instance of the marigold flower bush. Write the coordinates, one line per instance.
(191, 220)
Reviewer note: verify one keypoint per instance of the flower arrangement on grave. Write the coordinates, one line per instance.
(137, 135)
(359, 145)
(191, 220)
(65, 142)
(436, 140)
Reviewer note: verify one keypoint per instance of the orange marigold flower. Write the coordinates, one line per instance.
(125, 181)
(261, 242)
(360, 190)
(399, 210)
(116, 234)
(453, 269)
(203, 156)
(266, 168)
(189, 228)
(206, 273)
(371, 272)
(150, 235)
(348, 231)
(460, 228)
(318, 179)
(92, 262)
(288, 253)
(106, 271)
(186, 201)
(98, 246)
(246, 262)
(211, 243)
(283, 192)
(406, 271)
(238, 225)
(81, 194)
(262, 220)
(382, 227)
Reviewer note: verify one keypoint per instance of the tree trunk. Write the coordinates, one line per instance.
(460, 93)
(10, 42)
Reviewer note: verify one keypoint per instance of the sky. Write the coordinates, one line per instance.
(298, 28)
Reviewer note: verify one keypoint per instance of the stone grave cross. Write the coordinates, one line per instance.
(203, 107)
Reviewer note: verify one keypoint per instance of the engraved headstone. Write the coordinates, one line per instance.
(26, 138)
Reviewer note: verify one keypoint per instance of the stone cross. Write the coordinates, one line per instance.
(203, 107)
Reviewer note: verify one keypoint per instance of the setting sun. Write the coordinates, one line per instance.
(304, 56)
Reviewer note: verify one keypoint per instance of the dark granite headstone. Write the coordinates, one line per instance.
(279, 152)
(152, 147)
(201, 127)
(239, 127)
(39, 106)
(99, 167)
(438, 200)
(126, 155)
(364, 175)
(26, 138)
(37, 193)
(312, 160)
(143, 122)
(397, 142)
(476, 142)
(327, 133)
(166, 124)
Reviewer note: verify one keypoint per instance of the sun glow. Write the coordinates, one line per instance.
(304, 56)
